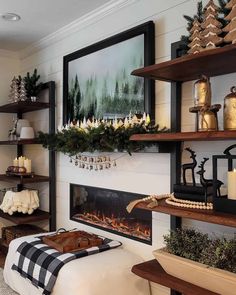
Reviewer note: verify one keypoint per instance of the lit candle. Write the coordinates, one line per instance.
(21, 161)
(126, 122)
(232, 184)
(144, 117)
(148, 120)
(27, 165)
(15, 162)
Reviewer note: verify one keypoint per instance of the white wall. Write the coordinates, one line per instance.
(141, 173)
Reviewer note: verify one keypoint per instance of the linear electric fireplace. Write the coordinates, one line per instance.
(106, 209)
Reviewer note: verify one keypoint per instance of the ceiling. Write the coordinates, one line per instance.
(39, 18)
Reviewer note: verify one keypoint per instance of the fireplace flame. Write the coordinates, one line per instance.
(122, 225)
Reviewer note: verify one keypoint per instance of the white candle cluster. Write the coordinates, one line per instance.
(129, 121)
(23, 162)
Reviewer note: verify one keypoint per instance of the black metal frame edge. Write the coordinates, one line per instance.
(175, 162)
(50, 86)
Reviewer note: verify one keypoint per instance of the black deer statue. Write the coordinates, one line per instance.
(207, 182)
(190, 166)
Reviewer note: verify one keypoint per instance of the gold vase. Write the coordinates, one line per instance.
(230, 110)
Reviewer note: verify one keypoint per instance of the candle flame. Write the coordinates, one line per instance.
(234, 170)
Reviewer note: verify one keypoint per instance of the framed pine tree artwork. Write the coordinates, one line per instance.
(97, 82)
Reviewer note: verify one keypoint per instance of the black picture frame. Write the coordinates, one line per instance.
(144, 31)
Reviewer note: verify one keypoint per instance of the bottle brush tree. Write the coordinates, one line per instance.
(31, 84)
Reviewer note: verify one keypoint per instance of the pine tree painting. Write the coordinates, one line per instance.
(100, 83)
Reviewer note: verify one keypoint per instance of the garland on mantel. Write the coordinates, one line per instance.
(98, 136)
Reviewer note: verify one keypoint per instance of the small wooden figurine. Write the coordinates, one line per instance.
(231, 27)
(211, 26)
(195, 38)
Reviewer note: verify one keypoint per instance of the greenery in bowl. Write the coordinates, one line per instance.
(217, 252)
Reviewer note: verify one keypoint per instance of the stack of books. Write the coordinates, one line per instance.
(193, 192)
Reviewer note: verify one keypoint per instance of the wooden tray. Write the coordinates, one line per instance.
(72, 241)
(22, 174)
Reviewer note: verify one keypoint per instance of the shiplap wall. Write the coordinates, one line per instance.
(141, 173)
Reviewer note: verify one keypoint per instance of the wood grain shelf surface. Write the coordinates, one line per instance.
(23, 107)
(152, 271)
(213, 62)
(210, 216)
(24, 180)
(20, 218)
(19, 142)
(186, 136)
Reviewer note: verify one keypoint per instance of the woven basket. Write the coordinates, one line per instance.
(10, 233)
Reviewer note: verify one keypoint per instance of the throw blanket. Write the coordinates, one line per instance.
(25, 201)
(41, 264)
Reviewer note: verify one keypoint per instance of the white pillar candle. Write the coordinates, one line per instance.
(232, 184)
(27, 165)
(21, 161)
(15, 162)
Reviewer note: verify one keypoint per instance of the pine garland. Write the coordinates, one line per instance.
(104, 138)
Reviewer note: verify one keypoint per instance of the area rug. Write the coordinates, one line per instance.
(4, 289)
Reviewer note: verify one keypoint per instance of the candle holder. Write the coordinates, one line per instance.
(225, 202)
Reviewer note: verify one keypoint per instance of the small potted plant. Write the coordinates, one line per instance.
(32, 86)
(196, 258)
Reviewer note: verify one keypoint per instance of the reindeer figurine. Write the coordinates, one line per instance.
(190, 166)
(207, 182)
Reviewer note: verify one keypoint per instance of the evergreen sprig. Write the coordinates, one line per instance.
(104, 138)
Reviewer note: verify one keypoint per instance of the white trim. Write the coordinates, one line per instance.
(9, 54)
(84, 21)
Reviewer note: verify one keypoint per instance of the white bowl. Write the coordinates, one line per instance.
(27, 133)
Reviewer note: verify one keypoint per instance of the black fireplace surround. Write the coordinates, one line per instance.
(106, 209)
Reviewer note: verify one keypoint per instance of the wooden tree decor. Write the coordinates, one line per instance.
(211, 26)
(231, 27)
(195, 37)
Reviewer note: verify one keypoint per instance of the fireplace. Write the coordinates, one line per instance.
(106, 209)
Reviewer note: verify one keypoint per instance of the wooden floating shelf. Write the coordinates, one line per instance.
(19, 218)
(218, 61)
(186, 136)
(24, 180)
(210, 216)
(23, 107)
(19, 142)
(152, 271)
